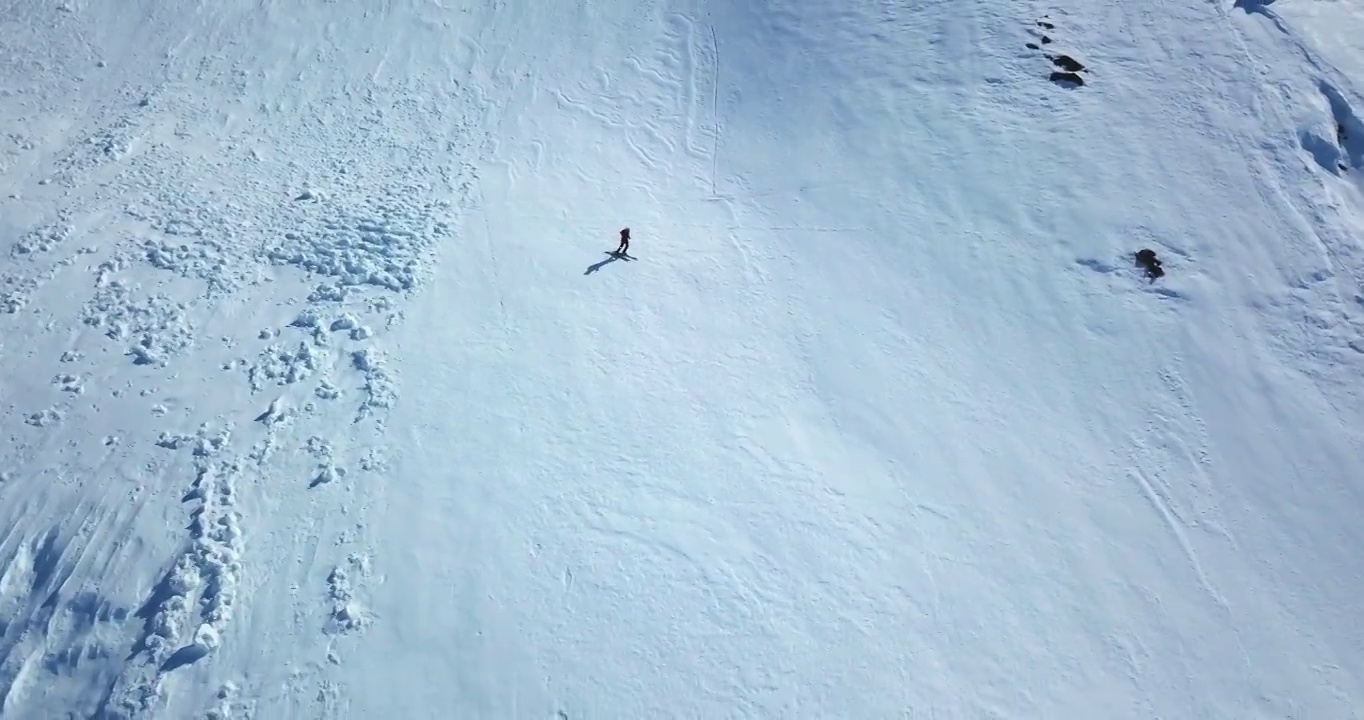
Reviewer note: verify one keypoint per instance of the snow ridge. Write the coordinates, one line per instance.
(191, 607)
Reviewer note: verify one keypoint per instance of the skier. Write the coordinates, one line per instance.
(624, 242)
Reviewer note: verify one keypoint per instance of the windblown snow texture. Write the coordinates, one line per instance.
(324, 396)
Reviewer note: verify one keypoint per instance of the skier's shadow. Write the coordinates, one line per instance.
(611, 257)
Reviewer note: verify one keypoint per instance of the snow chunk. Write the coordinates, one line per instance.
(204, 442)
(327, 473)
(44, 418)
(347, 613)
(383, 245)
(41, 239)
(379, 386)
(280, 366)
(157, 325)
(345, 322)
(278, 413)
(327, 391)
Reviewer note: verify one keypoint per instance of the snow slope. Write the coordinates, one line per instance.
(322, 399)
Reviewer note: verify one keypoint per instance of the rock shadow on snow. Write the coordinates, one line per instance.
(1067, 80)
(1097, 265)
(1325, 153)
(1146, 261)
(1254, 7)
(1349, 128)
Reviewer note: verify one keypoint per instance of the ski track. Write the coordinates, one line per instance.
(204, 265)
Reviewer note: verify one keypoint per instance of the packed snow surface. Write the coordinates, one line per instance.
(323, 397)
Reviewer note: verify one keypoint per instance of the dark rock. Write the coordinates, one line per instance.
(1147, 260)
(1067, 79)
(1067, 63)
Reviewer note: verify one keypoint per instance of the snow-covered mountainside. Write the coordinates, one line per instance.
(323, 396)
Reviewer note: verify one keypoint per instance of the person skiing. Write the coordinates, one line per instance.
(624, 242)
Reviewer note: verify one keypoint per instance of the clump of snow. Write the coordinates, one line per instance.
(345, 322)
(279, 412)
(279, 365)
(201, 590)
(204, 442)
(42, 239)
(383, 244)
(44, 418)
(350, 323)
(69, 383)
(380, 392)
(374, 461)
(226, 704)
(14, 292)
(329, 292)
(310, 319)
(327, 391)
(158, 326)
(347, 613)
(327, 473)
